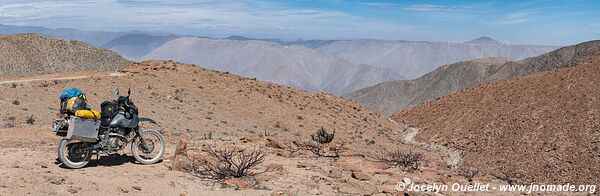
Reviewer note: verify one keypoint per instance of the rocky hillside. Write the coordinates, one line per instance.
(33, 54)
(541, 128)
(390, 97)
(414, 59)
(296, 66)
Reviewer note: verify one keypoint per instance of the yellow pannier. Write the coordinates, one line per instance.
(89, 114)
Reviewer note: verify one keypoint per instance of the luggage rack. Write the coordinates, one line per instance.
(60, 127)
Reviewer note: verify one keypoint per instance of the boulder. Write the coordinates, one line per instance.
(360, 176)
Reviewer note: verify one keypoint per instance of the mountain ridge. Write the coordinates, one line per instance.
(536, 128)
(390, 97)
(295, 65)
(34, 54)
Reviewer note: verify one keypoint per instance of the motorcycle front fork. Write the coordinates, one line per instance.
(139, 134)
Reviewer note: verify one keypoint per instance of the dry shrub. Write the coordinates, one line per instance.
(409, 161)
(30, 120)
(227, 163)
(318, 149)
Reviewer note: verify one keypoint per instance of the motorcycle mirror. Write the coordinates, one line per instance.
(117, 92)
(128, 92)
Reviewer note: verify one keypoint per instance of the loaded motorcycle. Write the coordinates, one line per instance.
(118, 126)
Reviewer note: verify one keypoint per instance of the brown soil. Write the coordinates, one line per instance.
(34, 54)
(190, 102)
(543, 127)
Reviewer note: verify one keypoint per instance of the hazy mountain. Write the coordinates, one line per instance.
(413, 59)
(33, 54)
(133, 46)
(307, 43)
(296, 65)
(96, 38)
(390, 97)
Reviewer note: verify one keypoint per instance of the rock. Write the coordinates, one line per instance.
(335, 173)
(181, 149)
(282, 193)
(357, 188)
(360, 176)
(57, 180)
(274, 143)
(42, 165)
(238, 183)
(139, 188)
(181, 161)
(72, 190)
(283, 154)
(124, 190)
(304, 165)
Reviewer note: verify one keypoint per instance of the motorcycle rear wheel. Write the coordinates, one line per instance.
(71, 154)
(137, 149)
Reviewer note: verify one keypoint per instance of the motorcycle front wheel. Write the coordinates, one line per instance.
(73, 154)
(154, 149)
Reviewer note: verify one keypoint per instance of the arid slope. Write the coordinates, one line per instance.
(390, 97)
(206, 108)
(34, 54)
(543, 127)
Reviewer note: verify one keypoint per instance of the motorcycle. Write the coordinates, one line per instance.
(118, 126)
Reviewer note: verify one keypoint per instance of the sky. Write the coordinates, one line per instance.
(547, 22)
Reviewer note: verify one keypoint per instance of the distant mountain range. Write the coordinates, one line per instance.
(414, 59)
(390, 97)
(135, 45)
(297, 66)
(335, 66)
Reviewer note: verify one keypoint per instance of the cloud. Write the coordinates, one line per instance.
(420, 7)
(207, 18)
(516, 18)
(438, 8)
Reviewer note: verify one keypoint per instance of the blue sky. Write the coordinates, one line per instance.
(550, 22)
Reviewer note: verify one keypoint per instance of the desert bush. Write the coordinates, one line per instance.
(318, 149)
(30, 120)
(320, 145)
(322, 136)
(16, 102)
(208, 136)
(409, 161)
(228, 163)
